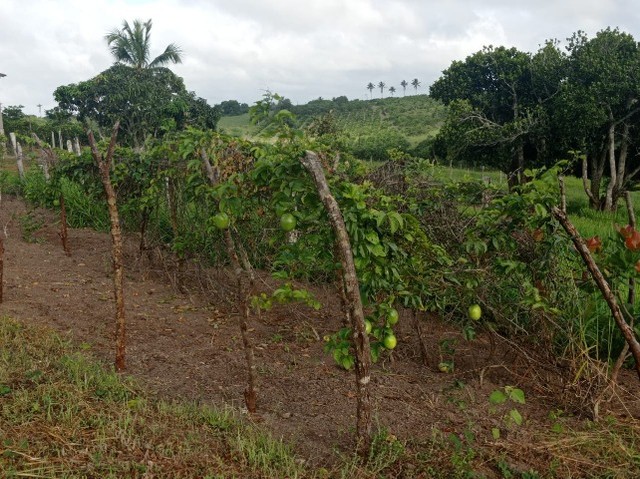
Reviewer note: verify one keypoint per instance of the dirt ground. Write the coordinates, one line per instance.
(187, 345)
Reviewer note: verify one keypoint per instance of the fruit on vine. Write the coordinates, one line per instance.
(475, 312)
(287, 222)
(444, 367)
(56, 202)
(390, 341)
(221, 220)
(367, 326)
(392, 317)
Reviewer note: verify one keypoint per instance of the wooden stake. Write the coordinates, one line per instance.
(63, 227)
(104, 165)
(243, 274)
(360, 337)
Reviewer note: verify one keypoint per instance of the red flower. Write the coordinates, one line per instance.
(633, 241)
(595, 244)
(626, 232)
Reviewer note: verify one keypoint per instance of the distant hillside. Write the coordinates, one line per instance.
(400, 122)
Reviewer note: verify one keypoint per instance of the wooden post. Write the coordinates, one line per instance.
(104, 165)
(602, 284)
(60, 144)
(243, 274)
(64, 234)
(76, 146)
(360, 337)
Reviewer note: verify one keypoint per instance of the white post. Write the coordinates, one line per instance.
(76, 146)
(69, 146)
(13, 143)
(53, 139)
(19, 159)
(60, 144)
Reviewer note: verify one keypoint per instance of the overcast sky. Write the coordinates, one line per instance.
(302, 49)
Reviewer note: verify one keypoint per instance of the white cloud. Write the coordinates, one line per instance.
(301, 49)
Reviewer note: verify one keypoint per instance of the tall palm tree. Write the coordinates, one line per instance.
(381, 85)
(404, 84)
(370, 87)
(130, 45)
(415, 84)
(392, 90)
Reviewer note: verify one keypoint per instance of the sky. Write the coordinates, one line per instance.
(302, 49)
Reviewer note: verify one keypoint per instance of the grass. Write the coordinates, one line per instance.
(63, 415)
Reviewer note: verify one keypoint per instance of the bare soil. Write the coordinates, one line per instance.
(184, 342)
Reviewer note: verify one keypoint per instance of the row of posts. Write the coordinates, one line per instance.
(72, 147)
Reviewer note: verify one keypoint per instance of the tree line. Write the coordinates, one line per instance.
(516, 110)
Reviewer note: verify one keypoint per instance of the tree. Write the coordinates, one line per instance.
(147, 102)
(392, 90)
(404, 84)
(381, 85)
(131, 46)
(370, 87)
(598, 110)
(496, 110)
(415, 83)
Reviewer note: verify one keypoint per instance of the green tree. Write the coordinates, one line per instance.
(599, 110)
(404, 84)
(392, 90)
(148, 102)
(415, 83)
(496, 113)
(130, 45)
(381, 85)
(370, 87)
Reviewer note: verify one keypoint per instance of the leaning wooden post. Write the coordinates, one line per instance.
(352, 291)
(602, 284)
(104, 165)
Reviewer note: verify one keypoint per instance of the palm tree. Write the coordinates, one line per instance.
(130, 45)
(415, 84)
(381, 85)
(404, 84)
(370, 87)
(392, 90)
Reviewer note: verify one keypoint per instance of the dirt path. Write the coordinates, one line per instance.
(183, 346)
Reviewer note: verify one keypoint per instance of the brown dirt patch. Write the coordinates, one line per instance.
(187, 345)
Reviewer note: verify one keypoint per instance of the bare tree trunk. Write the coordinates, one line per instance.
(242, 272)
(594, 199)
(69, 146)
(563, 194)
(602, 284)
(76, 146)
(60, 144)
(104, 165)
(14, 143)
(608, 200)
(53, 140)
(360, 338)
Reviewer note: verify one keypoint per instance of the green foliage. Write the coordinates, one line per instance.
(149, 102)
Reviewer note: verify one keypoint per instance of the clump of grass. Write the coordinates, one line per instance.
(64, 415)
